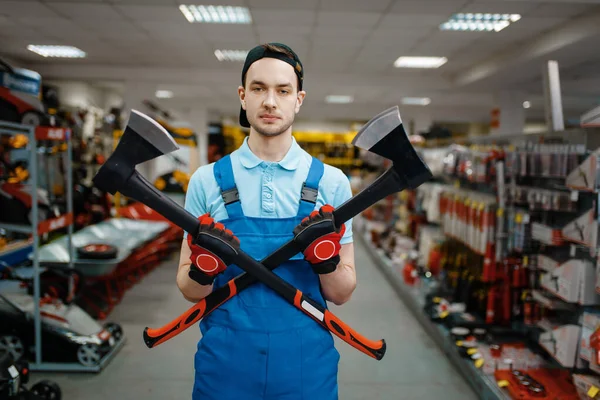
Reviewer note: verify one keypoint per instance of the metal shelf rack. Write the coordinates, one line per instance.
(37, 228)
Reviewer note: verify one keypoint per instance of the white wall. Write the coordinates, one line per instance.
(112, 99)
(78, 94)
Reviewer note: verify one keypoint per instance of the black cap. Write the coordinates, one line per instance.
(262, 52)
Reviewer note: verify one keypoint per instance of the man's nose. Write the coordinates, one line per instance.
(270, 100)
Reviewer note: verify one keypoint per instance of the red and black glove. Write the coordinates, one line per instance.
(207, 264)
(319, 237)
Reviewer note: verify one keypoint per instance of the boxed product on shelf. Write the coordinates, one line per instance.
(545, 234)
(469, 217)
(429, 241)
(591, 322)
(562, 343)
(543, 160)
(573, 281)
(583, 230)
(588, 387)
(585, 176)
(428, 197)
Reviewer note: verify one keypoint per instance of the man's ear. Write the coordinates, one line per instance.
(242, 95)
(300, 100)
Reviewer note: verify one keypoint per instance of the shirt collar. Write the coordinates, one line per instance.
(290, 162)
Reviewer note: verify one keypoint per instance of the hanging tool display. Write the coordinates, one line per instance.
(144, 139)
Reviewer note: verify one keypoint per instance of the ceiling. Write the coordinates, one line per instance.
(347, 47)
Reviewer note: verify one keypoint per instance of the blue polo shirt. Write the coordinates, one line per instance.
(267, 189)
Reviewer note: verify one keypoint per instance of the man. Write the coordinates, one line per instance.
(256, 345)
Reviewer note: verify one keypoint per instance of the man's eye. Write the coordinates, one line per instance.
(257, 89)
(284, 92)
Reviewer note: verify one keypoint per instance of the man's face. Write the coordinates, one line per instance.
(271, 98)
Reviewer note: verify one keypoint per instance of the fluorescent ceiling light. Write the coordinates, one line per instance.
(526, 104)
(164, 94)
(216, 14)
(339, 99)
(416, 101)
(420, 62)
(231, 55)
(56, 51)
(479, 22)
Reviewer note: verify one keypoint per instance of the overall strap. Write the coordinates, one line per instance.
(229, 192)
(310, 188)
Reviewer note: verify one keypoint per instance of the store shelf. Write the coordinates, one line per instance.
(551, 302)
(17, 228)
(16, 252)
(483, 385)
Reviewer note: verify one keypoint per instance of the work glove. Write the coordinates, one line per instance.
(213, 250)
(319, 237)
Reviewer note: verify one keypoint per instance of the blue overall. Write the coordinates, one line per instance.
(258, 346)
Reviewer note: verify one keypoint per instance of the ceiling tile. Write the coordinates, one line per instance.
(348, 19)
(343, 34)
(412, 21)
(293, 30)
(394, 39)
(560, 10)
(502, 7)
(443, 46)
(26, 9)
(428, 6)
(283, 18)
(355, 5)
(101, 12)
(400, 33)
(23, 33)
(217, 31)
(233, 44)
(143, 2)
(170, 28)
(152, 13)
(297, 5)
(73, 1)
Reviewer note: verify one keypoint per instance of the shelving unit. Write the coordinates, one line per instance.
(510, 198)
(483, 385)
(38, 228)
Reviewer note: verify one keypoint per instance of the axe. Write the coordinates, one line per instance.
(118, 174)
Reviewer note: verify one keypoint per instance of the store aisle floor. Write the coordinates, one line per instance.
(413, 368)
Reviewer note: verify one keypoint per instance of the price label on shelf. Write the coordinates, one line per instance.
(574, 195)
(503, 383)
(593, 392)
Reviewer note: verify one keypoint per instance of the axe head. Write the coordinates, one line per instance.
(143, 139)
(385, 136)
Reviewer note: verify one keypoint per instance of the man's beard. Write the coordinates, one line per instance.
(273, 134)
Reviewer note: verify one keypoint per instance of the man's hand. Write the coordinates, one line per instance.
(317, 233)
(213, 250)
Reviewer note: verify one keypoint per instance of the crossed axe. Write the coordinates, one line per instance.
(144, 139)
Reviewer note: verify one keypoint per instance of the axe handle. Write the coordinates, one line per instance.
(325, 318)
(388, 183)
(138, 188)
